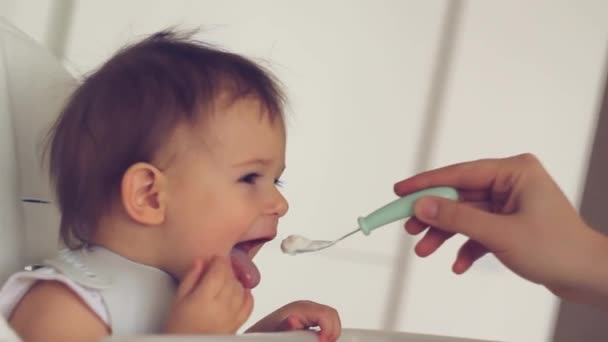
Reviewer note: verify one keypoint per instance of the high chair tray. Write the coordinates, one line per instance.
(348, 335)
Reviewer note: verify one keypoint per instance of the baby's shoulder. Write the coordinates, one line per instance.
(42, 300)
(50, 310)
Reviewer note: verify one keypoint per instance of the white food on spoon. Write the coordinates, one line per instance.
(295, 244)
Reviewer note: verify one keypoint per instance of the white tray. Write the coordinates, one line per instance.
(348, 335)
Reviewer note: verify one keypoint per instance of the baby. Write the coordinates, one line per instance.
(166, 163)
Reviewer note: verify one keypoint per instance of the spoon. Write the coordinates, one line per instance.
(400, 208)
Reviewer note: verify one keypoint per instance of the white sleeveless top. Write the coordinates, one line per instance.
(130, 298)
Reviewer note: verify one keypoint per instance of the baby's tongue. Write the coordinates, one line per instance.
(244, 269)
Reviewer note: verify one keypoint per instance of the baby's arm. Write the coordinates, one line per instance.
(52, 312)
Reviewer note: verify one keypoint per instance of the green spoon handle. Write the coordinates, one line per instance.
(401, 208)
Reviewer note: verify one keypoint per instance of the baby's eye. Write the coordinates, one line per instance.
(249, 178)
(278, 182)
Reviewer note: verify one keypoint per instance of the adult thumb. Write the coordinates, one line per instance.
(456, 217)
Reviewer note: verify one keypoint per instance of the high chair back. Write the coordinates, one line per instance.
(33, 87)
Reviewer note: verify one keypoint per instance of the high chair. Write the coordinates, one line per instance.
(33, 87)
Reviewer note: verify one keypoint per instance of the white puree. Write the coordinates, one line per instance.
(294, 244)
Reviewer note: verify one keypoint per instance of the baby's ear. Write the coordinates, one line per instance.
(143, 194)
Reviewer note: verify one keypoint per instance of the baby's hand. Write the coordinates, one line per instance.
(302, 315)
(209, 301)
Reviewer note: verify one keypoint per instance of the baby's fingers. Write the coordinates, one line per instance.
(292, 322)
(246, 308)
(331, 327)
(214, 279)
(190, 281)
(237, 299)
(327, 319)
(305, 314)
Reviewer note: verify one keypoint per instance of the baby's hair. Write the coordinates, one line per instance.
(126, 110)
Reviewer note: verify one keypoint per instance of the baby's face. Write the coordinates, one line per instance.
(222, 196)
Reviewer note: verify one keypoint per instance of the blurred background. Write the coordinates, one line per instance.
(378, 91)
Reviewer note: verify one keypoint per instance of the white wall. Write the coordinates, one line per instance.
(523, 76)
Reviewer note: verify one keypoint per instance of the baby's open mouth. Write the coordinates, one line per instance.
(244, 268)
